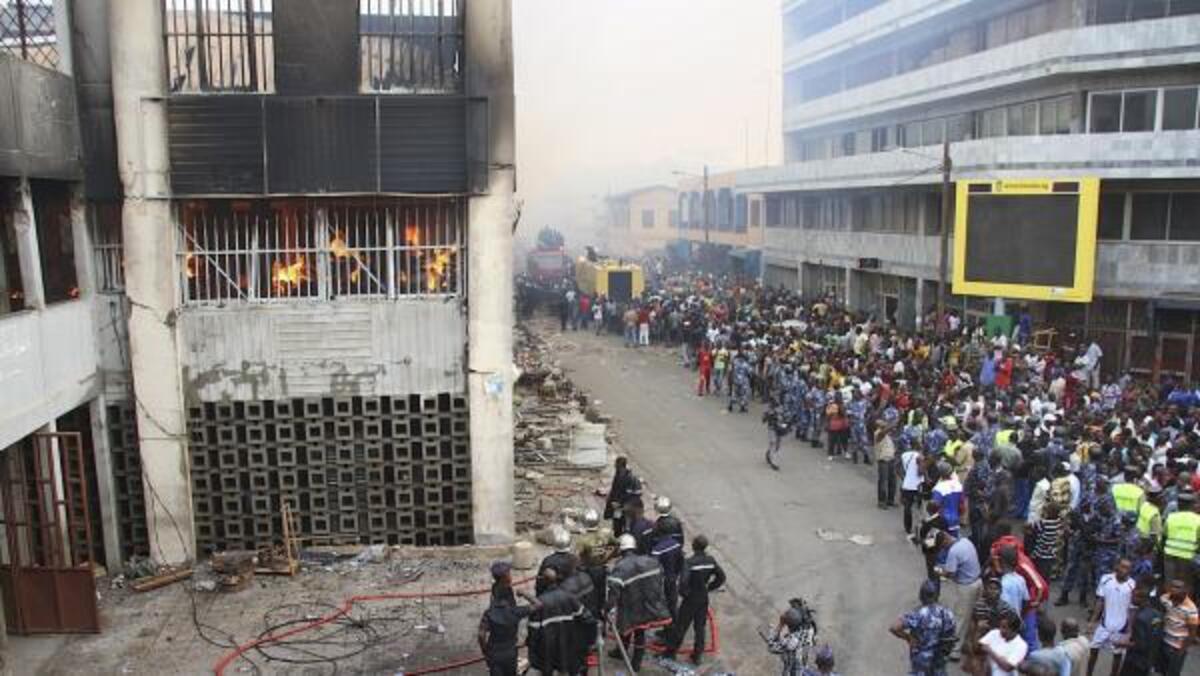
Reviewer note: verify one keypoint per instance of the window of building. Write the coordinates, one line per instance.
(742, 215)
(1105, 113)
(56, 240)
(933, 213)
(1179, 108)
(105, 221)
(1148, 217)
(991, 123)
(696, 213)
(1185, 217)
(1130, 111)
(756, 213)
(1054, 116)
(910, 134)
(673, 218)
(219, 45)
(12, 289)
(647, 218)
(933, 132)
(774, 211)
(1112, 216)
(27, 31)
(1138, 111)
(1022, 120)
(411, 46)
(298, 249)
(958, 127)
(881, 139)
(1117, 11)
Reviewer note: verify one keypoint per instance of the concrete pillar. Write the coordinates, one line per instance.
(489, 294)
(28, 252)
(106, 497)
(139, 90)
(81, 240)
(919, 303)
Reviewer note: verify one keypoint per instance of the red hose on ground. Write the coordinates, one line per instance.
(713, 646)
(342, 610)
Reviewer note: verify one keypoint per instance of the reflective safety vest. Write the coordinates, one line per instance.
(1181, 528)
(1004, 437)
(1146, 516)
(1128, 497)
(951, 448)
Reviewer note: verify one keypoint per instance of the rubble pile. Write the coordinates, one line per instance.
(554, 427)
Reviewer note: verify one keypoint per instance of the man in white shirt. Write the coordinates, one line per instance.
(1115, 596)
(1004, 647)
(910, 486)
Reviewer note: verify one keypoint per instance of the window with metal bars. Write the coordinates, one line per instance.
(219, 45)
(411, 46)
(109, 259)
(237, 251)
(27, 31)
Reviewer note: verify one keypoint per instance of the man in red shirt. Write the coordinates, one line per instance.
(705, 360)
(644, 325)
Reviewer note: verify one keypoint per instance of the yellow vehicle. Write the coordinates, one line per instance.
(621, 282)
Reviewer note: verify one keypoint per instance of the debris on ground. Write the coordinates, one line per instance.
(560, 440)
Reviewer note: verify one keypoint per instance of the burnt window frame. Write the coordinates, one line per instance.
(257, 47)
(451, 77)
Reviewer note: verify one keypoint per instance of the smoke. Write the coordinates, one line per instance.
(619, 94)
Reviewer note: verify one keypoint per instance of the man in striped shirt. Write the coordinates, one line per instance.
(1179, 626)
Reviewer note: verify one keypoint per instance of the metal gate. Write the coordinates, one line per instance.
(46, 572)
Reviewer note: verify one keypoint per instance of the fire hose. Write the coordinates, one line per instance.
(344, 609)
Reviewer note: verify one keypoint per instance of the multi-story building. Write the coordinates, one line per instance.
(1020, 88)
(729, 222)
(257, 254)
(640, 221)
(658, 218)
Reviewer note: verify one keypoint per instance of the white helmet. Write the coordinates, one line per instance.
(626, 543)
(591, 519)
(562, 541)
(662, 505)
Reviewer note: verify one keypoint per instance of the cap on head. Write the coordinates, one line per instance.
(591, 519)
(501, 568)
(662, 505)
(824, 657)
(929, 591)
(626, 543)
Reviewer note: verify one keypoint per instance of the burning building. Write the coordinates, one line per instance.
(299, 217)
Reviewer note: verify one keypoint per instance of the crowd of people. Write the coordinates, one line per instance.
(1023, 476)
(625, 581)
(1013, 468)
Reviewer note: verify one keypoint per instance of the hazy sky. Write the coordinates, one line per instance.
(614, 94)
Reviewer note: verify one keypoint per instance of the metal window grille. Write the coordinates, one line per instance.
(106, 247)
(411, 46)
(27, 31)
(219, 45)
(295, 250)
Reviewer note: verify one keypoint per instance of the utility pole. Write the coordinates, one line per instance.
(947, 221)
(704, 198)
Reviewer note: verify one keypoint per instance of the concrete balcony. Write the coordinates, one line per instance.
(1142, 44)
(899, 254)
(1143, 155)
(47, 366)
(873, 24)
